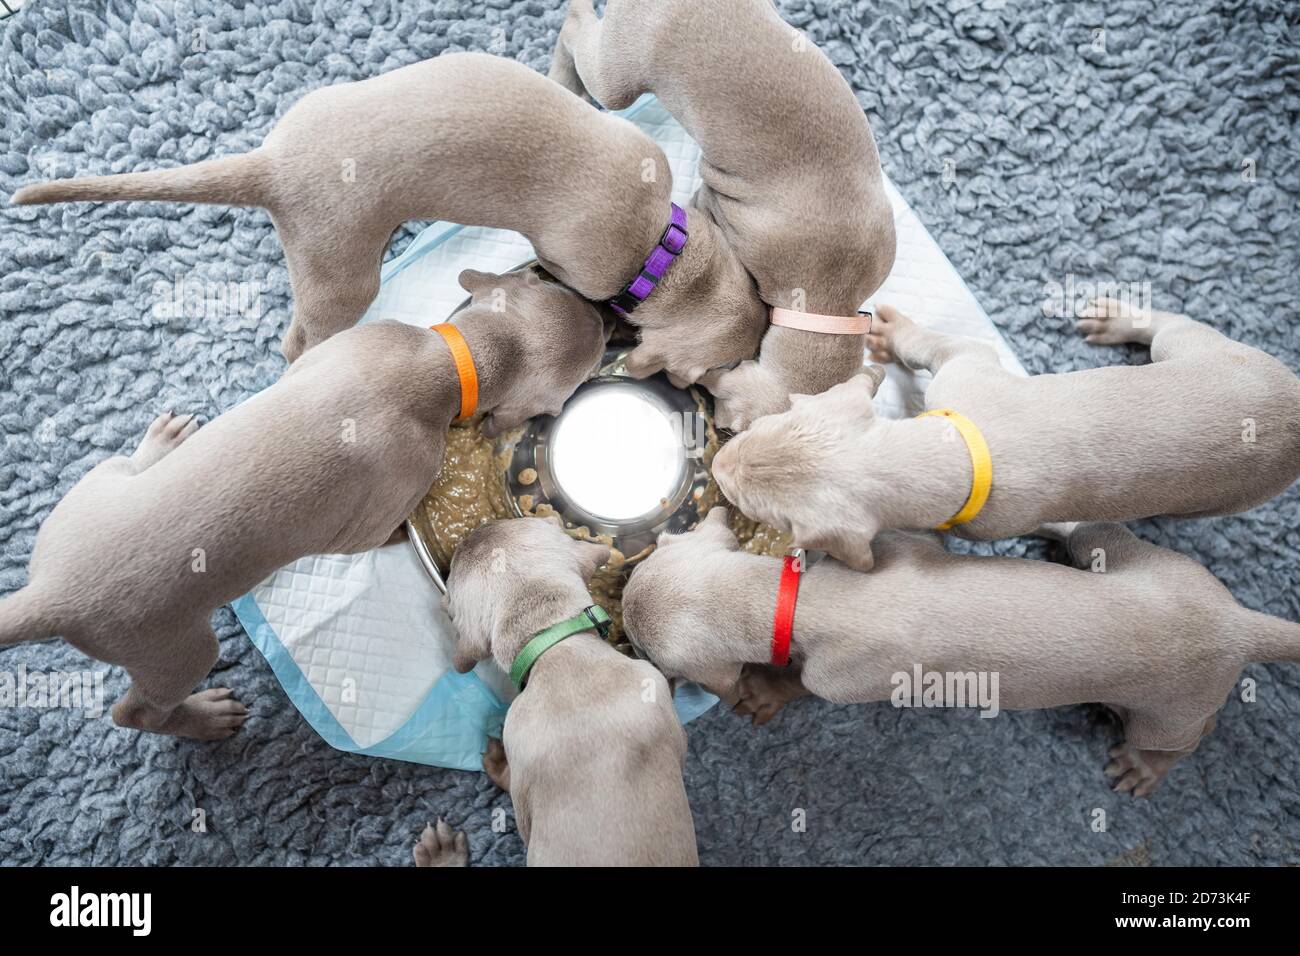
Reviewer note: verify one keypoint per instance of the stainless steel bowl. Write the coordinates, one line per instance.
(625, 458)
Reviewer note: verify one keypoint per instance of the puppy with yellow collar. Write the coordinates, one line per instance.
(1210, 427)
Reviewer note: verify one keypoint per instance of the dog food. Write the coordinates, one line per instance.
(471, 490)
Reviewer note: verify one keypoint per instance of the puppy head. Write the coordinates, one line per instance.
(505, 565)
(670, 621)
(703, 319)
(554, 341)
(801, 471)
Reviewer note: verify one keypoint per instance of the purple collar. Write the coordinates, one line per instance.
(671, 244)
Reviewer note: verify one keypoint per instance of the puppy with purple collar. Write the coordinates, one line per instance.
(484, 141)
(791, 175)
(593, 750)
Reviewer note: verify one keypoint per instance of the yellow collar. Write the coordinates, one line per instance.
(981, 463)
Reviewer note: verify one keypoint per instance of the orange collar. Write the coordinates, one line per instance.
(464, 367)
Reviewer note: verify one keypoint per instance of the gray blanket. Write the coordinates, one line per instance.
(1143, 141)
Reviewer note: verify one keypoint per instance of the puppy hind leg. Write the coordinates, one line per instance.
(563, 70)
(1106, 547)
(332, 287)
(165, 434)
(583, 65)
(1150, 750)
(160, 700)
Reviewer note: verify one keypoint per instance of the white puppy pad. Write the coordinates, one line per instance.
(361, 643)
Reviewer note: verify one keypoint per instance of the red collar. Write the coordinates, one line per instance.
(787, 595)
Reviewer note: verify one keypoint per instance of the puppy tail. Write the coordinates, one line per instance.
(21, 618)
(1272, 638)
(242, 180)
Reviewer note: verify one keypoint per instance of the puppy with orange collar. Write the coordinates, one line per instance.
(791, 173)
(133, 561)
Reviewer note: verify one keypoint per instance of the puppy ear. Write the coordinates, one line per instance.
(471, 280)
(720, 679)
(877, 375)
(858, 555)
(853, 550)
(591, 557)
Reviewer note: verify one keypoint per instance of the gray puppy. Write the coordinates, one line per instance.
(473, 139)
(595, 747)
(1146, 631)
(131, 563)
(1210, 427)
(790, 168)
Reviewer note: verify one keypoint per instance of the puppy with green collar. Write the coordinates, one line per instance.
(593, 749)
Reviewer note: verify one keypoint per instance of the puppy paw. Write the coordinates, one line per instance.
(164, 435)
(208, 715)
(763, 691)
(495, 764)
(744, 394)
(887, 325)
(441, 846)
(1114, 322)
(642, 362)
(1139, 771)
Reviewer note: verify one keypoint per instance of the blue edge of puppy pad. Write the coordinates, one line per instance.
(451, 726)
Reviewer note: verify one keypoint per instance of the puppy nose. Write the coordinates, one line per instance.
(724, 464)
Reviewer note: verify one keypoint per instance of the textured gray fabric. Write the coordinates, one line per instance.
(1119, 163)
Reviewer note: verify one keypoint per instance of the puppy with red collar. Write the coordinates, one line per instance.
(1155, 637)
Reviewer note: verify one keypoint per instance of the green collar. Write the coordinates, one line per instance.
(541, 642)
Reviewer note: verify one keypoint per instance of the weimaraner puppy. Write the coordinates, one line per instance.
(1144, 630)
(1210, 427)
(329, 460)
(790, 169)
(595, 750)
(478, 140)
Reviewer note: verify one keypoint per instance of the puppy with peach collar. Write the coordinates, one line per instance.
(1154, 636)
(479, 140)
(1210, 427)
(330, 459)
(594, 747)
(790, 169)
